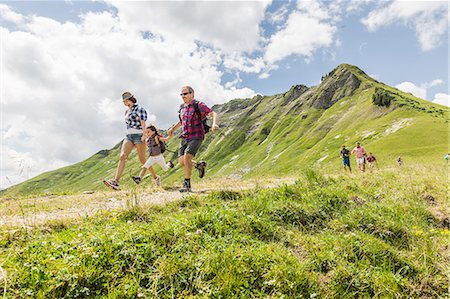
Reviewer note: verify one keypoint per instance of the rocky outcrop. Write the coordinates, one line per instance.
(342, 82)
(294, 93)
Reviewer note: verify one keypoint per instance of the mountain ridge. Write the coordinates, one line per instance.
(275, 135)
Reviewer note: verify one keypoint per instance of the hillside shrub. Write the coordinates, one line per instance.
(382, 98)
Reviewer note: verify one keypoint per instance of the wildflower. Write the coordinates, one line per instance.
(418, 232)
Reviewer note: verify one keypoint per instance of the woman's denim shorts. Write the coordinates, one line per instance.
(135, 138)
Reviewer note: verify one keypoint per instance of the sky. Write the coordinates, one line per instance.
(65, 64)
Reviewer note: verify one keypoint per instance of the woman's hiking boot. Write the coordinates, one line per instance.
(111, 184)
(186, 187)
(201, 168)
(136, 179)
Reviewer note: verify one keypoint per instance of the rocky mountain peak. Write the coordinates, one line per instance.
(341, 82)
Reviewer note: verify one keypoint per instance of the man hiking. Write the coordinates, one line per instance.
(345, 155)
(192, 113)
(360, 156)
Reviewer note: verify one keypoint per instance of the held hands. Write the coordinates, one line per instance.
(215, 128)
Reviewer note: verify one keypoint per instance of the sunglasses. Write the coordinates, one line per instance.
(184, 93)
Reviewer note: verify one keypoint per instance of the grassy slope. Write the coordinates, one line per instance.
(277, 135)
(343, 237)
(296, 142)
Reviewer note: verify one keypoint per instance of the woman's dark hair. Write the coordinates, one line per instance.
(133, 100)
(154, 129)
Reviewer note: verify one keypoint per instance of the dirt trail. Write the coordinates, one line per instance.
(39, 210)
(110, 201)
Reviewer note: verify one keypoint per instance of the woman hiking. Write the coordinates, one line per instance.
(135, 117)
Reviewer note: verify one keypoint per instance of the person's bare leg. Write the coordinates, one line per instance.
(141, 148)
(127, 147)
(181, 161)
(142, 173)
(188, 165)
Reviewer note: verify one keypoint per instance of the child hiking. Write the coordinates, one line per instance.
(156, 146)
(192, 115)
(372, 161)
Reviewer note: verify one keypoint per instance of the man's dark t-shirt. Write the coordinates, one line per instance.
(345, 153)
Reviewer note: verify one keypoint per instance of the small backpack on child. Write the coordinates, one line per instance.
(161, 144)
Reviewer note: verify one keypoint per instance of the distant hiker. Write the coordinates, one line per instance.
(192, 115)
(135, 117)
(345, 155)
(156, 146)
(371, 161)
(360, 156)
(399, 161)
(446, 157)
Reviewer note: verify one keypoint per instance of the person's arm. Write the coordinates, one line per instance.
(174, 128)
(215, 126)
(164, 139)
(144, 135)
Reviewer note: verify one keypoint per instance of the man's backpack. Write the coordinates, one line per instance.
(206, 127)
(161, 144)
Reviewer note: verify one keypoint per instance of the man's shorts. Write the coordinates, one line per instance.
(189, 147)
(135, 138)
(361, 161)
(346, 162)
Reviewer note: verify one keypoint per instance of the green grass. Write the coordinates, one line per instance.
(360, 236)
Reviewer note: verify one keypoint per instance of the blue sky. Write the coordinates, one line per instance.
(65, 64)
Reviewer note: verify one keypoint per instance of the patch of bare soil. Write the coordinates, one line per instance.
(61, 207)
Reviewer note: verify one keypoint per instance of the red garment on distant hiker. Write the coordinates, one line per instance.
(371, 159)
(191, 124)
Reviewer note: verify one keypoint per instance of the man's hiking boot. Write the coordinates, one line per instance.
(111, 184)
(170, 164)
(201, 168)
(136, 179)
(186, 187)
(158, 181)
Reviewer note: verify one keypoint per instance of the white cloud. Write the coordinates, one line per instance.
(432, 83)
(278, 16)
(264, 75)
(429, 19)
(19, 166)
(442, 99)
(417, 91)
(421, 91)
(303, 35)
(62, 84)
(314, 10)
(8, 15)
(227, 26)
(243, 63)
